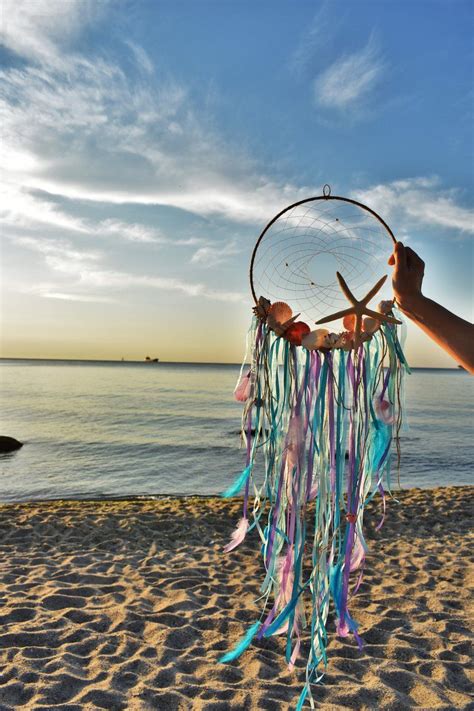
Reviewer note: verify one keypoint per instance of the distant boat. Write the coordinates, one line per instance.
(152, 360)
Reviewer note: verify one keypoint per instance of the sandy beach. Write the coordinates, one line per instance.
(128, 605)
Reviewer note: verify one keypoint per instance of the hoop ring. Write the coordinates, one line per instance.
(326, 196)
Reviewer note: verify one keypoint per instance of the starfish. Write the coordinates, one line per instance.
(358, 308)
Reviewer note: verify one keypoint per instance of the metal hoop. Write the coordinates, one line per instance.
(325, 196)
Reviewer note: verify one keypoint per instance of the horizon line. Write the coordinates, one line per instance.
(176, 362)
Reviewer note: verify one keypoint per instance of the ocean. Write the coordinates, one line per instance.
(113, 429)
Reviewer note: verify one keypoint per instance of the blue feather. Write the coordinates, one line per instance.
(242, 645)
(234, 488)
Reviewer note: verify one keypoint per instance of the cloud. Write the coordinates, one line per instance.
(418, 201)
(315, 38)
(210, 256)
(84, 277)
(132, 232)
(37, 29)
(83, 129)
(22, 209)
(142, 59)
(350, 79)
(31, 212)
(76, 297)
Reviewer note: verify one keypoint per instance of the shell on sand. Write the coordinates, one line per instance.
(280, 312)
(370, 325)
(314, 339)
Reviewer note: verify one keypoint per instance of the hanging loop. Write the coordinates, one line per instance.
(327, 191)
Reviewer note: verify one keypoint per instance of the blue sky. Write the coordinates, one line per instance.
(146, 144)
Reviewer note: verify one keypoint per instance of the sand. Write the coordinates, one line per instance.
(128, 604)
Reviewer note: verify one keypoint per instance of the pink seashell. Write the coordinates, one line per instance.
(280, 312)
(370, 325)
(314, 339)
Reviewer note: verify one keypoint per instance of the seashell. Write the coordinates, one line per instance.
(385, 307)
(314, 339)
(349, 322)
(262, 308)
(331, 340)
(278, 327)
(345, 341)
(295, 332)
(370, 325)
(280, 312)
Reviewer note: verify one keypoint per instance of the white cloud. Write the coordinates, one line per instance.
(76, 297)
(21, 209)
(30, 212)
(133, 232)
(141, 57)
(418, 201)
(83, 277)
(316, 36)
(212, 255)
(350, 79)
(37, 28)
(82, 129)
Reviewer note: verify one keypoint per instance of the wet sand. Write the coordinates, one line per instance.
(128, 605)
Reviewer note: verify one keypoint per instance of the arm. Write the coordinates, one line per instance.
(452, 333)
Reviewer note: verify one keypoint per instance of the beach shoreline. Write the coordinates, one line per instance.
(128, 603)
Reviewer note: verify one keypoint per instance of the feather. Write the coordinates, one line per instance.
(234, 488)
(357, 555)
(384, 411)
(285, 586)
(238, 535)
(242, 645)
(242, 389)
(342, 628)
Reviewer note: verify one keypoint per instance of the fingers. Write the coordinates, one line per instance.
(414, 261)
(399, 257)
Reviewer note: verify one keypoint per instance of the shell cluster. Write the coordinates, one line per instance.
(279, 318)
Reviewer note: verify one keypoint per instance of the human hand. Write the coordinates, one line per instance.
(407, 276)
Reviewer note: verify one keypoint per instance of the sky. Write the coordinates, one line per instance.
(145, 145)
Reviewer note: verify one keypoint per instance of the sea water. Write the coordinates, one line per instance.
(124, 429)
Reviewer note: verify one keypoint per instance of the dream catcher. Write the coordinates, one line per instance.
(321, 412)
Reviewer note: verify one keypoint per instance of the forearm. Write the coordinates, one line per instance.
(453, 334)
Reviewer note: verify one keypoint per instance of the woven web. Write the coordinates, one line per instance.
(298, 257)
